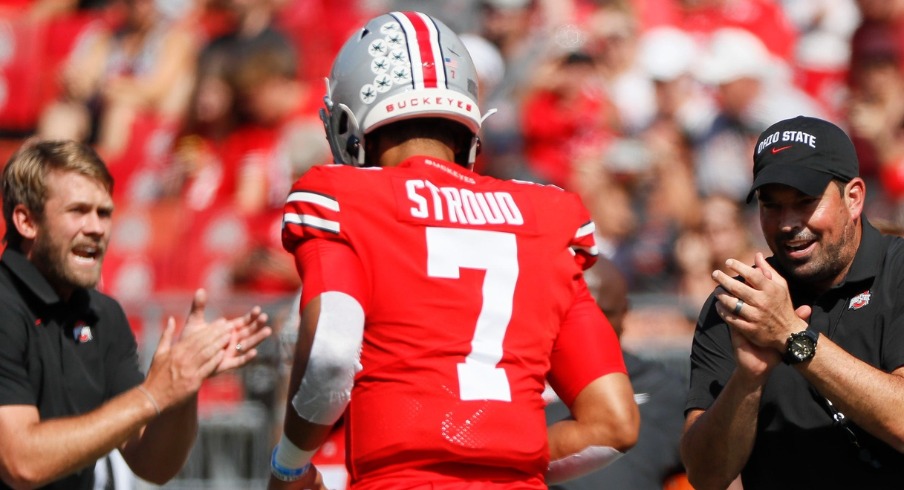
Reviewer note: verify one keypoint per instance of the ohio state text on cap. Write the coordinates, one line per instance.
(805, 153)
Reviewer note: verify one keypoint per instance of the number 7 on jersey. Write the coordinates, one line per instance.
(452, 249)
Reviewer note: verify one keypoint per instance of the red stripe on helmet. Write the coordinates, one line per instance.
(425, 48)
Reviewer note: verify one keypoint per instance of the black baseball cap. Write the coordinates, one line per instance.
(805, 153)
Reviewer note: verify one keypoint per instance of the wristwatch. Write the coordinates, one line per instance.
(801, 347)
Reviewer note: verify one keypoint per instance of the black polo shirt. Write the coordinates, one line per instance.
(63, 358)
(797, 444)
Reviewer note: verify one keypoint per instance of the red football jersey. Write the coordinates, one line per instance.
(471, 282)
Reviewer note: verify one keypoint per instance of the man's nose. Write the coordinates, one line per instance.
(789, 219)
(95, 224)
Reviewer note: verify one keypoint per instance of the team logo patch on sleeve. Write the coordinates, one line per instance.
(859, 301)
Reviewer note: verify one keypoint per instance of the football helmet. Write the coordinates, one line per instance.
(401, 65)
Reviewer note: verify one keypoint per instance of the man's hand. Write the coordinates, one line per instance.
(247, 332)
(762, 321)
(767, 316)
(755, 361)
(201, 349)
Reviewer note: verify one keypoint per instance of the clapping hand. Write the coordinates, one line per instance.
(246, 333)
(184, 359)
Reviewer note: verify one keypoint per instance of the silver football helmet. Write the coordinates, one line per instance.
(401, 65)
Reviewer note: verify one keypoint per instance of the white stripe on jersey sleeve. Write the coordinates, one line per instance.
(585, 230)
(312, 221)
(582, 232)
(314, 198)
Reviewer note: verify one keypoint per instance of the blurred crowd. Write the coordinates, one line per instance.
(206, 112)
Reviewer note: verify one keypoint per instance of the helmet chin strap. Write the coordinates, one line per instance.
(326, 114)
(475, 141)
(330, 136)
(354, 145)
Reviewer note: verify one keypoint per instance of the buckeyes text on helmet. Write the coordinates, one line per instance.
(401, 65)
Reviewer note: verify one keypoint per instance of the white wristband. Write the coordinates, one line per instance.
(289, 462)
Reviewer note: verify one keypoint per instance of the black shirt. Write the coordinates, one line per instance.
(798, 445)
(63, 358)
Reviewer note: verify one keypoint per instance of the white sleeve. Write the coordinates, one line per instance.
(326, 386)
(587, 461)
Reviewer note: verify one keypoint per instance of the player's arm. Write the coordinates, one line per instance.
(326, 357)
(595, 436)
(588, 373)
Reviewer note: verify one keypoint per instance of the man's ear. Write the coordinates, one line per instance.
(25, 222)
(855, 195)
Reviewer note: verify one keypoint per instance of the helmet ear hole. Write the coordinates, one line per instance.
(343, 123)
(353, 145)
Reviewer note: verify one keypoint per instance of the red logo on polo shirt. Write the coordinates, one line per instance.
(859, 301)
(82, 333)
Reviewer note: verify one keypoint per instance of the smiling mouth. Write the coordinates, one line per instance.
(87, 254)
(798, 249)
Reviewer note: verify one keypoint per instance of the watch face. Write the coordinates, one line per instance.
(802, 348)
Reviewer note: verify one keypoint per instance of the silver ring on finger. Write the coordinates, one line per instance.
(737, 307)
(238, 347)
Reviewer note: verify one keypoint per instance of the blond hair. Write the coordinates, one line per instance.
(25, 173)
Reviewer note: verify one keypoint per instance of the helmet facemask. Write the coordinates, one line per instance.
(342, 131)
